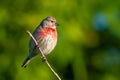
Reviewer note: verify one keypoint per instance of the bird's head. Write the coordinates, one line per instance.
(49, 22)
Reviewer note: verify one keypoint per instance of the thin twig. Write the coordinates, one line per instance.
(44, 57)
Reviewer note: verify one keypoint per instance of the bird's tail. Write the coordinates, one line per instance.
(25, 63)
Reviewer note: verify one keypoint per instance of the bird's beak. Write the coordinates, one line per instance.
(57, 24)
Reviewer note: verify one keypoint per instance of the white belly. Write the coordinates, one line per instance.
(48, 44)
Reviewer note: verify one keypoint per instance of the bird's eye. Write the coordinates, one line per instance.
(52, 21)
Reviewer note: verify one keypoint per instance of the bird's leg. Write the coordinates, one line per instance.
(36, 46)
(43, 59)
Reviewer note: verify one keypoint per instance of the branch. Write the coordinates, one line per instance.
(44, 59)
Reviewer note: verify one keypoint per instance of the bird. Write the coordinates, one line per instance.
(46, 37)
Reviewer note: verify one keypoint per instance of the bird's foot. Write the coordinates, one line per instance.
(43, 59)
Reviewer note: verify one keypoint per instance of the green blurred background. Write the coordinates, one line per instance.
(88, 39)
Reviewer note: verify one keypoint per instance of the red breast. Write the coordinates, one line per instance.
(43, 32)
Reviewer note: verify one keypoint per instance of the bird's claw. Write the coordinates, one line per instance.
(43, 59)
